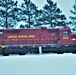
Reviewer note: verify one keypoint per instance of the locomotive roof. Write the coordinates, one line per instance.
(67, 28)
(64, 28)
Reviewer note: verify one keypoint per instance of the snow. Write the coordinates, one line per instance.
(45, 64)
(2, 8)
(20, 23)
(47, 26)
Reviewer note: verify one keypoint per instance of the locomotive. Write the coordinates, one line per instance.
(37, 40)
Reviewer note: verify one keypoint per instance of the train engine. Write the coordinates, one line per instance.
(37, 40)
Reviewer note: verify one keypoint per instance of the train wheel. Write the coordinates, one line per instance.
(32, 52)
(21, 53)
(60, 52)
(5, 54)
(74, 52)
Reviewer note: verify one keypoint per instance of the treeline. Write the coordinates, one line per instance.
(27, 15)
(72, 22)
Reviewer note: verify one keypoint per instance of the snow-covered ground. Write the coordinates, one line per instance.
(46, 64)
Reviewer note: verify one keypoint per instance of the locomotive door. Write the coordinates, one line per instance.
(54, 37)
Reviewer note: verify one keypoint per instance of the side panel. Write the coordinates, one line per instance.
(29, 36)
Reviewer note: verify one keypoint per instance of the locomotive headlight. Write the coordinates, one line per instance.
(44, 46)
(66, 45)
(3, 46)
(21, 46)
(33, 46)
(52, 45)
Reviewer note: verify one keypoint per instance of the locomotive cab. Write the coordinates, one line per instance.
(67, 41)
(64, 35)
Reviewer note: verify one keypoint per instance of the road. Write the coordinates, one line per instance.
(45, 64)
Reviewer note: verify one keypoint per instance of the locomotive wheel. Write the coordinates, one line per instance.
(5, 54)
(22, 53)
(32, 52)
(74, 52)
(60, 53)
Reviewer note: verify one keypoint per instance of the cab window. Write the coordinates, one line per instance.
(1, 32)
(65, 33)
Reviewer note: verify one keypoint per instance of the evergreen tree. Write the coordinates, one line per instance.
(72, 21)
(38, 16)
(52, 15)
(8, 13)
(28, 14)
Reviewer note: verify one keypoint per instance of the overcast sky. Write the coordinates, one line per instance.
(64, 5)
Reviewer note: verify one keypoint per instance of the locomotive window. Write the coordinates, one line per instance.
(65, 33)
(1, 32)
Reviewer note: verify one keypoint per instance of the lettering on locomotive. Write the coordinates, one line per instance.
(21, 36)
(31, 36)
(65, 37)
(13, 36)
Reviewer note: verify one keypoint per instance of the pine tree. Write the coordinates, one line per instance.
(8, 13)
(38, 16)
(72, 22)
(28, 14)
(52, 15)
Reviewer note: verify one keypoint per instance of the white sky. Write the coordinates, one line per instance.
(64, 5)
